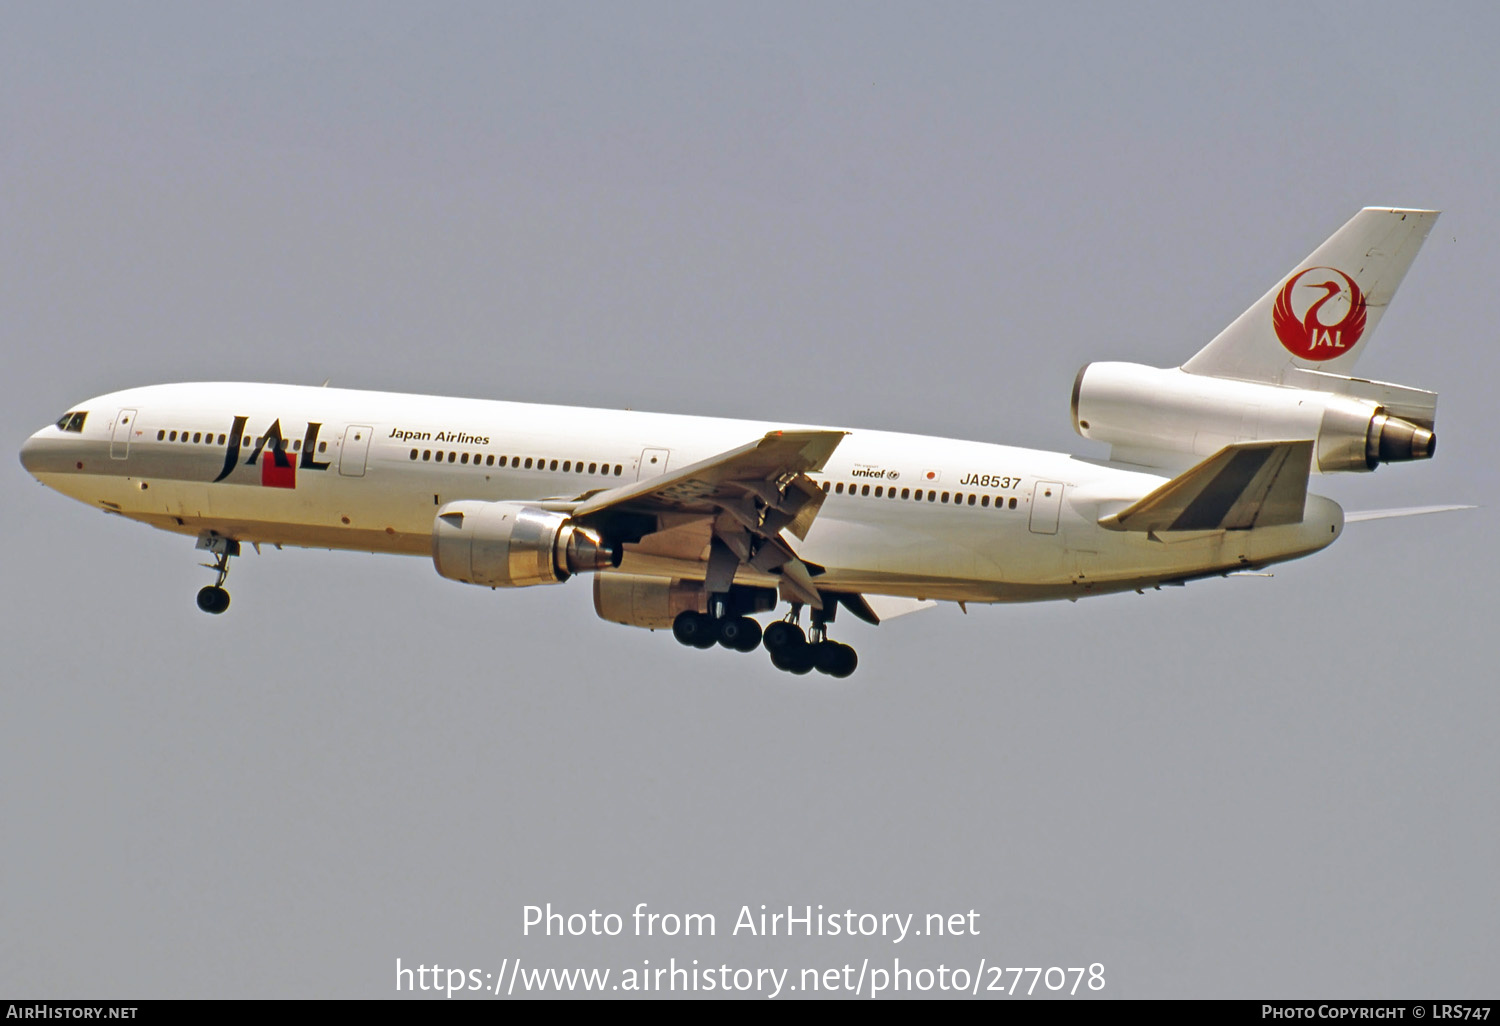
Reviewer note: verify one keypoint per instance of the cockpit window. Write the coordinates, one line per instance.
(72, 421)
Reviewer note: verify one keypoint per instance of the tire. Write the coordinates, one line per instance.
(739, 633)
(844, 663)
(825, 656)
(213, 599)
(781, 635)
(795, 658)
(693, 629)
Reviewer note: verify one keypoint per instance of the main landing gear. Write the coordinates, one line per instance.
(791, 649)
(213, 598)
(721, 625)
(799, 653)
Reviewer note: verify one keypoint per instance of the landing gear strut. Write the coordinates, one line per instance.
(213, 598)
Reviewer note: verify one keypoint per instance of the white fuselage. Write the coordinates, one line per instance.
(369, 471)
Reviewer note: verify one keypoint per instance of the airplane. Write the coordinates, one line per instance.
(697, 524)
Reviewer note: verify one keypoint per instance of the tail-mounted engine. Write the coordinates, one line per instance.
(1356, 424)
(512, 545)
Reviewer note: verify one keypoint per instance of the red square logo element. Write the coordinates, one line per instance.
(272, 476)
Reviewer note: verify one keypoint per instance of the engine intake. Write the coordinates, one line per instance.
(512, 545)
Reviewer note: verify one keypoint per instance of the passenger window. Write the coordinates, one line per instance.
(174, 436)
(984, 501)
(865, 490)
(879, 490)
(451, 456)
(197, 436)
(906, 493)
(465, 459)
(945, 496)
(297, 445)
(567, 466)
(593, 467)
(619, 469)
(426, 454)
(1012, 502)
(554, 464)
(414, 454)
(971, 500)
(528, 463)
(322, 446)
(221, 438)
(838, 489)
(489, 461)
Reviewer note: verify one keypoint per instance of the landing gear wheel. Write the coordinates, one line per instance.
(834, 659)
(695, 629)
(739, 633)
(794, 658)
(781, 635)
(213, 599)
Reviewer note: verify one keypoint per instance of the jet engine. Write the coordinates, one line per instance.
(1356, 424)
(513, 545)
(654, 602)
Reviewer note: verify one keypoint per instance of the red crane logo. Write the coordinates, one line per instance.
(1309, 336)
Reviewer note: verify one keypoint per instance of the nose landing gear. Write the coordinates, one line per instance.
(213, 598)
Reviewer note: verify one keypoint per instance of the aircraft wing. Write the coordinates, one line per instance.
(749, 495)
(1245, 485)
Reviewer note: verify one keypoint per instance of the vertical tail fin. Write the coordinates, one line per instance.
(1321, 315)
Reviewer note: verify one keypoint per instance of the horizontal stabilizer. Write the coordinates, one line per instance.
(1405, 511)
(1249, 484)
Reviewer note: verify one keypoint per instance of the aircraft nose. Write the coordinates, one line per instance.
(31, 454)
(41, 454)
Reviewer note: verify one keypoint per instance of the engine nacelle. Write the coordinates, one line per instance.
(513, 545)
(1147, 408)
(654, 602)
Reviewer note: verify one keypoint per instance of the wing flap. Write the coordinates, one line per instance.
(1245, 485)
(745, 497)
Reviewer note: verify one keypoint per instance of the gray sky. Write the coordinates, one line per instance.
(919, 218)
